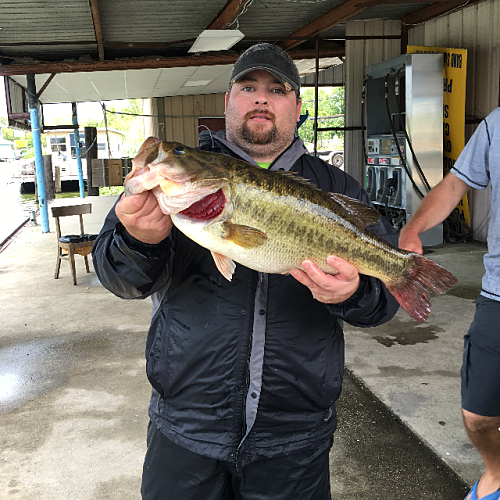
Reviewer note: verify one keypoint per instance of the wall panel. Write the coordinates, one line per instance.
(359, 54)
(182, 113)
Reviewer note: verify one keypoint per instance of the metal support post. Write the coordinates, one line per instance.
(77, 150)
(316, 101)
(37, 146)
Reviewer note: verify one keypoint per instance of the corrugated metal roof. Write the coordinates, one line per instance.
(98, 40)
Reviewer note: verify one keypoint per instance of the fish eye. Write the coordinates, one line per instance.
(179, 151)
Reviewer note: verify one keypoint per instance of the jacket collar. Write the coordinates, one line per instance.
(285, 160)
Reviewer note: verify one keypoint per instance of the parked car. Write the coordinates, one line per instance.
(336, 158)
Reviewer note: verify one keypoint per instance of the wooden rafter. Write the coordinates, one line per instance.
(97, 28)
(142, 63)
(434, 10)
(45, 85)
(336, 16)
(227, 15)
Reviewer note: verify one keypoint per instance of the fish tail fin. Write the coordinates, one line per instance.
(413, 293)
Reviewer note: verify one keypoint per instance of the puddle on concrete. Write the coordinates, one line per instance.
(465, 290)
(30, 369)
(408, 334)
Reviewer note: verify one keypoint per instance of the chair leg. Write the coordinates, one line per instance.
(58, 263)
(87, 263)
(71, 256)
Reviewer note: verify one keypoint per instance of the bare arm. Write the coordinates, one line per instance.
(433, 209)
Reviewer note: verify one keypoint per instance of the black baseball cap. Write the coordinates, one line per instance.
(271, 58)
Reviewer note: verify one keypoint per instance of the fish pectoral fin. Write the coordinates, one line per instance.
(244, 236)
(224, 264)
(363, 212)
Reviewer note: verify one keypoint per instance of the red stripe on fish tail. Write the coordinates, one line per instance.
(413, 294)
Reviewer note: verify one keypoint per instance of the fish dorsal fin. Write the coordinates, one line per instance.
(244, 236)
(296, 177)
(361, 211)
(224, 264)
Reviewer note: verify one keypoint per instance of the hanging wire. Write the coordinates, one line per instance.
(210, 133)
(82, 154)
(106, 128)
(243, 11)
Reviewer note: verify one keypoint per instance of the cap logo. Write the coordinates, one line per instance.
(288, 86)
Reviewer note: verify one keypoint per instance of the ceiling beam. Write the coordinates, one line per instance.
(45, 85)
(434, 10)
(227, 15)
(340, 14)
(150, 63)
(94, 8)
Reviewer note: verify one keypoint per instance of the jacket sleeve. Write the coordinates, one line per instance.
(372, 304)
(127, 267)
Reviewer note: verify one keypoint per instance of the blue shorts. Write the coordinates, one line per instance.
(481, 363)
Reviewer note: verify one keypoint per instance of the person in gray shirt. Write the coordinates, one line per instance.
(477, 167)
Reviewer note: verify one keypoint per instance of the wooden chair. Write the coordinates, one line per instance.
(69, 245)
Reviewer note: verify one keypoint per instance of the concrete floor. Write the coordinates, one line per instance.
(74, 395)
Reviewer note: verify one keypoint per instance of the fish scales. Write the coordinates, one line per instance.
(272, 221)
(303, 220)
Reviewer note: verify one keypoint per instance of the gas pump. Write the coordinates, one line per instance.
(404, 129)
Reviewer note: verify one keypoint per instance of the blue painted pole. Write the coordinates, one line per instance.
(77, 151)
(37, 146)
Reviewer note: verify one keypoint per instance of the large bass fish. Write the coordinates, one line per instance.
(271, 221)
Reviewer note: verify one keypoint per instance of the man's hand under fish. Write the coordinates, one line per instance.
(329, 288)
(143, 219)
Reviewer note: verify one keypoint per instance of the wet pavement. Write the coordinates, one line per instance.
(376, 457)
(74, 395)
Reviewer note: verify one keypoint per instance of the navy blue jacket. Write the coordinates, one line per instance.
(246, 369)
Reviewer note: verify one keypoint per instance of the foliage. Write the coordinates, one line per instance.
(331, 106)
(126, 121)
(8, 135)
(123, 120)
(110, 190)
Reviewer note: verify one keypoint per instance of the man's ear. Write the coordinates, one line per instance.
(299, 107)
(226, 98)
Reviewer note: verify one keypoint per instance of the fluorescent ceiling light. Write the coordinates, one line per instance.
(216, 40)
(197, 83)
(308, 66)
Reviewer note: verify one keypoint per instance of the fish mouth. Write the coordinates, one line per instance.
(180, 202)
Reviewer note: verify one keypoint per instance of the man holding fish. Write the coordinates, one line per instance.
(246, 361)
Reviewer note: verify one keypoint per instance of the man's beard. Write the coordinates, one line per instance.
(256, 140)
(258, 135)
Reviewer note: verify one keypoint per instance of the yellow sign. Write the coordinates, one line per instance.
(454, 80)
(21, 143)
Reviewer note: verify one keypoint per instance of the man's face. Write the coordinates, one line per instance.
(261, 115)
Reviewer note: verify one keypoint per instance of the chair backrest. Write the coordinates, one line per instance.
(66, 210)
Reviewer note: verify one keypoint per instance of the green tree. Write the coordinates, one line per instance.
(331, 109)
(8, 133)
(127, 120)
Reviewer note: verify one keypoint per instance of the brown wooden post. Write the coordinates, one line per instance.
(90, 154)
(49, 177)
